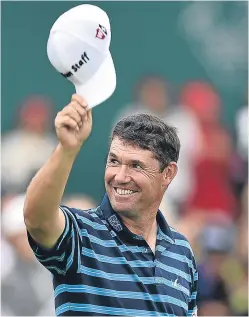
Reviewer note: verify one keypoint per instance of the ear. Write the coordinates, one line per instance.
(169, 173)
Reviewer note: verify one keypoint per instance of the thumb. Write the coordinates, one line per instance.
(89, 115)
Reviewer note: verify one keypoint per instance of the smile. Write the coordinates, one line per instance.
(124, 192)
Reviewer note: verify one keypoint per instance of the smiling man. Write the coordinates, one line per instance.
(121, 258)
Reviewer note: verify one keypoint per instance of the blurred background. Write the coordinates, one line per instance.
(187, 63)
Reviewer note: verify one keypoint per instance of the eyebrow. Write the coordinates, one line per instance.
(113, 155)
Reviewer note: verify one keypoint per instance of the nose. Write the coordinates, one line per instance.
(122, 175)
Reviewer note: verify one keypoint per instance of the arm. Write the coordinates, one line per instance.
(44, 220)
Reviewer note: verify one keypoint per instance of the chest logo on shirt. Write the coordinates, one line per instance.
(176, 284)
(115, 223)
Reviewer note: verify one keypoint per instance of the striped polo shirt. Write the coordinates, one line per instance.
(100, 267)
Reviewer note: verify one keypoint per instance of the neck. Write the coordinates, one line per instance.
(143, 227)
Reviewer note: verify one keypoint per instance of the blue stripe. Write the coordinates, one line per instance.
(179, 257)
(70, 258)
(92, 212)
(73, 219)
(92, 224)
(170, 284)
(107, 310)
(67, 227)
(185, 244)
(193, 295)
(173, 270)
(58, 258)
(172, 229)
(104, 243)
(54, 268)
(111, 243)
(115, 260)
(167, 238)
(119, 294)
(190, 312)
(111, 276)
(129, 248)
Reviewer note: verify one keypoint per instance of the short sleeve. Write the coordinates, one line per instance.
(64, 255)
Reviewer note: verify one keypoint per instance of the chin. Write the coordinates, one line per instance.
(118, 206)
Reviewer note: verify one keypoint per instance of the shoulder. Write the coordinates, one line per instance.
(91, 217)
(182, 243)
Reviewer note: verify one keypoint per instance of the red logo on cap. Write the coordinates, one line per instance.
(101, 32)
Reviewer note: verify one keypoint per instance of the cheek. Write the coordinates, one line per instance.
(155, 184)
(144, 182)
(109, 174)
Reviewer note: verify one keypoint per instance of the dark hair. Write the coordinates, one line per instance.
(149, 133)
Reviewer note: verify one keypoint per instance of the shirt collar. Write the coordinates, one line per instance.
(118, 226)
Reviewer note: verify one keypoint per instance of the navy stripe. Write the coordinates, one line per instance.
(107, 310)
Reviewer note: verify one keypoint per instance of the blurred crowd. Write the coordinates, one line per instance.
(208, 200)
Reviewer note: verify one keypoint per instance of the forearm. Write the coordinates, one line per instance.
(46, 189)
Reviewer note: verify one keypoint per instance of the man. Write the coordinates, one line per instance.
(121, 258)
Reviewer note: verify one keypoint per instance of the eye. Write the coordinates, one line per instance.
(137, 166)
(113, 162)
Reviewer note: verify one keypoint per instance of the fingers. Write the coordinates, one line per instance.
(66, 121)
(80, 100)
(75, 113)
(80, 110)
(80, 104)
(72, 113)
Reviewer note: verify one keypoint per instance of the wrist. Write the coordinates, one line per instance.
(70, 153)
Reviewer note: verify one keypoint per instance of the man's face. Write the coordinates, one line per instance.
(133, 179)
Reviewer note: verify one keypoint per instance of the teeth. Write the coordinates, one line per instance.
(124, 191)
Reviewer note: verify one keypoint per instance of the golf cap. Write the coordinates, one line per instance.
(78, 48)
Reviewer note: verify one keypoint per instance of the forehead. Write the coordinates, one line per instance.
(128, 151)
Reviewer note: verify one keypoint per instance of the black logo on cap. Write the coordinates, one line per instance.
(83, 60)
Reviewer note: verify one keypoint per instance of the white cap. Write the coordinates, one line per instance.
(78, 48)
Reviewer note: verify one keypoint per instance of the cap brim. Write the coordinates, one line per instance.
(101, 86)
